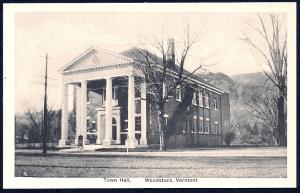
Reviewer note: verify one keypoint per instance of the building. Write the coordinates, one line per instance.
(108, 89)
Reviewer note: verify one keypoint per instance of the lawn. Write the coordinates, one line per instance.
(156, 166)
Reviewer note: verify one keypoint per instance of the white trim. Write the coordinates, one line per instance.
(90, 50)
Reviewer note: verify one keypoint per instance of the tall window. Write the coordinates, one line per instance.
(215, 102)
(114, 129)
(115, 93)
(206, 131)
(216, 128)
(165, 90)
(201, 125)
(200, 98)
(138, 123)
(194, 124)
(178, 93)
(194, 101)
(207, 100)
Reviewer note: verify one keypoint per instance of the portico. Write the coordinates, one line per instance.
(112, 79)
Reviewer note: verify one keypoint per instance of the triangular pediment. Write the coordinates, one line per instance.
(95, 58)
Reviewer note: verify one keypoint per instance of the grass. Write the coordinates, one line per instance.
(200, 167)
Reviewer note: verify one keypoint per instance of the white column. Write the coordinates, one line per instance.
(143, 115)
(78, 112)
(118, 139)
(108, 113)
(99, 136)
(64, 116)
(83, 110)
(131, 141)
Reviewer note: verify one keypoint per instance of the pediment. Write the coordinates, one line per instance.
(95, 58)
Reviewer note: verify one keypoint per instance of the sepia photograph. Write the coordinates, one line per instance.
(150, 95)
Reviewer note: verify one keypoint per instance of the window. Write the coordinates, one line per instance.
(178, 93)
(194, 124)
(206, 100)
(138, 123)
(114, 129)
(200, 98)
(188, 126)
(88, 123)
(115, 93)
(216, 128)
(201, 125)
(194, 101)
(206, 131)
(94, 128)
(215, 102)
(165, 90)
(166, 118)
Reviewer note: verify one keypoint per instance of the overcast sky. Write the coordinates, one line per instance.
(65, 35)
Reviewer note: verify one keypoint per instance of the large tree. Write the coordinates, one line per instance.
(270, 44)
(161, 81)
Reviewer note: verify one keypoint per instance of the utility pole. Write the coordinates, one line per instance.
(45, 112)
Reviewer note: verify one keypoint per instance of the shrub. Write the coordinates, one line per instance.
(229, 137)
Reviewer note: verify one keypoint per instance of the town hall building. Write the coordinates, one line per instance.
(111, 110)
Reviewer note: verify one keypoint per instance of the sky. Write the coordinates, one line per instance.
(63, 36)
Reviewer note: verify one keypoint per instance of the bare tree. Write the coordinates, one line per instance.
(31, 123)
(165, 78)
(265, 110)
(271, 46)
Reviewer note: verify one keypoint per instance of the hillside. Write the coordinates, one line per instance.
(244, 89)
(258, 78)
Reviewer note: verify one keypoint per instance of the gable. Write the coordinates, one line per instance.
(95, 58)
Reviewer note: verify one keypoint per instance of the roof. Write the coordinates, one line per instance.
(140, 55)
(95, 58)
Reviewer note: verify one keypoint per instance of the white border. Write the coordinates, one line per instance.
(9, 10)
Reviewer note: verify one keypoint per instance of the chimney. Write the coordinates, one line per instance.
(171, 53)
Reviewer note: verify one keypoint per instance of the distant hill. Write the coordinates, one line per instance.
(258, 78)
(219, 80)
(244, 89)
